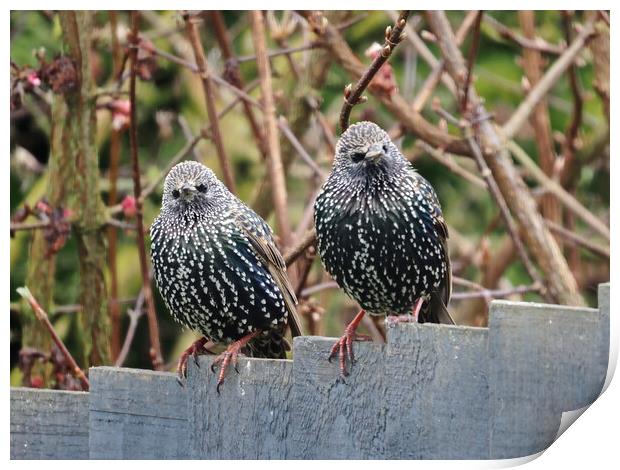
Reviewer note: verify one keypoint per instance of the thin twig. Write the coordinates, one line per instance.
(393, 36)
(234, 75)
(537, 44)
(216, 136)
(133, 134)
(288, 133)
(447, 161)
(559, 280)
(43, 318)
(17, 226)
(471, 58)
(438, 71)
(553, 74)
(189, 135)
(274, 162)
(308, 239)
(308, 291)
(503, 207)
(571, 136)
(494, 294)
(578, 240)
(552, 186)
(134, 317)
(283, 51)
(115, 150)
(533, 67)
(412, 120)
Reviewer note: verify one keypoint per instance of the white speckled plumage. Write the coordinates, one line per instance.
(208, 265)
(380, 230)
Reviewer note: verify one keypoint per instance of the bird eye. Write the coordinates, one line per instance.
(386, 147)
(175, 193)
(358, 157)
(201, 188)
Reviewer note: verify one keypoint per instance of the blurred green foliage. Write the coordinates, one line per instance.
(173, 89)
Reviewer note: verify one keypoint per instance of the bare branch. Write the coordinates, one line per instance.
(531, 43)
(43, 318)
(471, 58)
(545, 84)
(133, 134)
(560, 282)
(578, 240)
(401, 109)
(352, 96)
(565, 197)
(216, 136)
(533, 67)
(295, 252)
(234, 75)
(494, 294)
(274, 162)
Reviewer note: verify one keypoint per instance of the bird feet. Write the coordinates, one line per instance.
(197, 348)
(393, 320)
(230, 356)
(344, 346)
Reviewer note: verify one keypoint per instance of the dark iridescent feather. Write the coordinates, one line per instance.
(217, 266)
(381, 234)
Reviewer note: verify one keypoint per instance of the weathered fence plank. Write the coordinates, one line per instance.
(437, 392)
(431, 392)
(334, 419)
(249, 419)
(48, 424)
(544, 359)
(137, 414)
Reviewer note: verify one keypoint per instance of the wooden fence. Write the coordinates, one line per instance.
(431, 392)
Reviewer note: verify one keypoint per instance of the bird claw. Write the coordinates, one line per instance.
(230, 355)
(195, 350)
(344, 349)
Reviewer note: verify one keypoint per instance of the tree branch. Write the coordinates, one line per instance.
(352, 96)
(133, 135)
(216, 136)
(545, 84)
(43, 318)
(394, 102)
(274, 162)
(560, 281)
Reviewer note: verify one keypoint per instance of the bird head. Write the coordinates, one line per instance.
(366, 149)
(191, 185)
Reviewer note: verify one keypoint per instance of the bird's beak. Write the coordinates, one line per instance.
(374, 153)
(187, 191)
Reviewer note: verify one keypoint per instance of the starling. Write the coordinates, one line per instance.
(219, 270)
(381, 234)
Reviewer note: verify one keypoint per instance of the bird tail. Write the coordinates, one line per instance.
(436, 311)
(270, 345)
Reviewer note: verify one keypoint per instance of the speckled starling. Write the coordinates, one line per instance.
(219, 270)
(381, 234)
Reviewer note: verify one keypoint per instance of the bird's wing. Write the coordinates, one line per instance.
(269, 254)
(440, 298)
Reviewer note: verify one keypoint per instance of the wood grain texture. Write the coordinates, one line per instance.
(437, 392)
(48, 424)
(137, 414)
(603, 306)
(431, 392)
(249, 419)
(334, 419)
(543, 360)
